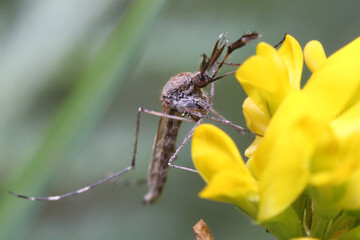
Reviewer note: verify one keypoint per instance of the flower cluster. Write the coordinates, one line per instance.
(302, 176)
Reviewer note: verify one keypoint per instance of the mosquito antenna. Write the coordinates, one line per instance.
(226, 74)
(282, 40)
(219, 47)
(236, 45)
(203, 78)
(216, 54)
(239, 43)
(204, 64)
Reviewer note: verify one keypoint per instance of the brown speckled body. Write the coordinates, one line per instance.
(179, 95)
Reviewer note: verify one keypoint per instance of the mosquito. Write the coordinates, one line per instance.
(183, 99)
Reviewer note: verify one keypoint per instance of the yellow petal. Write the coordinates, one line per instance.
(335, 185)
(284, 154)
(264, 78)
(329, 186)
(314, 55)
(350, 173)
(291, 53)
(351, 198)
(230, 186)
(347, 123)
(212, 151)
(253, 168)
(249, 152)
(342, 168)
(335, 85)
(256, 120)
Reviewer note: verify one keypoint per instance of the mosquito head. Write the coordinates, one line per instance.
(202, 80)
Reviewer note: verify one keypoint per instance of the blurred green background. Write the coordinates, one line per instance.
(73, 74)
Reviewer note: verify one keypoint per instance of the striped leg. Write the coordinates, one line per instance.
(187, 137)
(132, 165)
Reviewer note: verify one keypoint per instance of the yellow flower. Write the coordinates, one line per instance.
(310, 143)
(215, 155)
(268, 78)
(220, 164)
(270, 75)
(308, 139)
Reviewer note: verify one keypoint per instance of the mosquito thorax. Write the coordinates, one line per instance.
(182, 94)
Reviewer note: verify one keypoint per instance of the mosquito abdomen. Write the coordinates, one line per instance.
(163, 149)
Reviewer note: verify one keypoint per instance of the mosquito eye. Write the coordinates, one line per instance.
(201, 81)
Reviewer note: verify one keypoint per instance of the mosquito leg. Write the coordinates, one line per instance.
(81, 190)
(222, 120)
(212, 94)
(159, 114)
(132, 166)
(187, 137)
(241, 130)
(226, 74)
(212, 110)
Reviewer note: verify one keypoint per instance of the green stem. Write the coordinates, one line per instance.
(319, 226)
(285, 226)
(342, 224)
